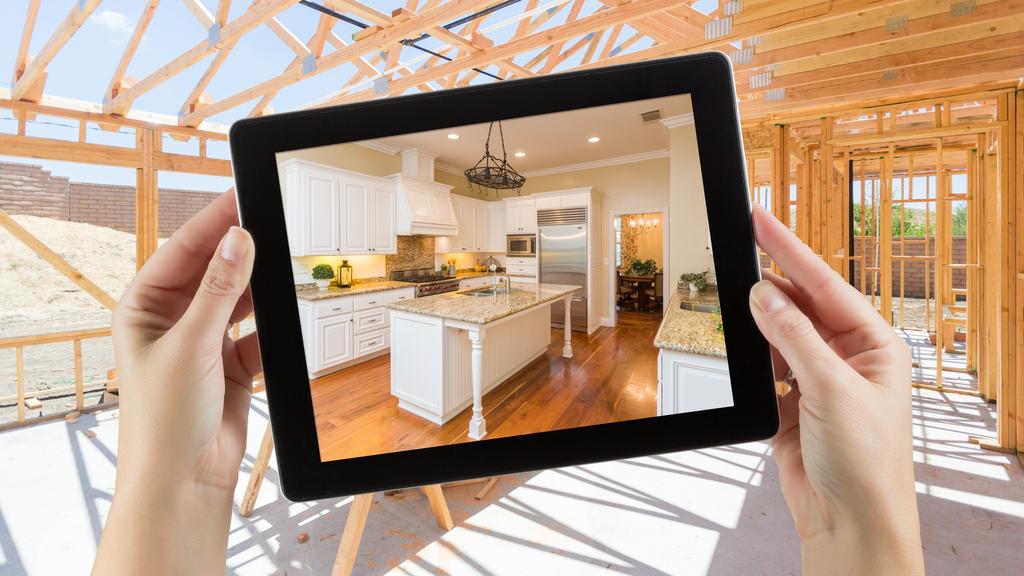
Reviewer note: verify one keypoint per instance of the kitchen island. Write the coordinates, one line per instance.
(693, 373)
(448, 350)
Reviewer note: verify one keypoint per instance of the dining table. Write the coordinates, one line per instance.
(642, 283)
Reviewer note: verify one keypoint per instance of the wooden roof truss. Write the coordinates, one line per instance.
(788, 55)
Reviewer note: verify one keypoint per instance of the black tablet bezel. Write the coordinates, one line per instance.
(707, 78)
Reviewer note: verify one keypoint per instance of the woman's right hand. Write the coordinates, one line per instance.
(844, 447)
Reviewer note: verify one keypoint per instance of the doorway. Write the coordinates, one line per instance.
(639, 258)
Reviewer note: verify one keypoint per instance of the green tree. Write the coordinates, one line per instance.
(960, 220)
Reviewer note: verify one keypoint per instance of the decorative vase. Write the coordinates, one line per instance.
(344, 275)
(323, 284)
(693, 288)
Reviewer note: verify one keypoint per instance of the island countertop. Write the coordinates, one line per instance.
(483, 309)
(315, 293)
(688, 331)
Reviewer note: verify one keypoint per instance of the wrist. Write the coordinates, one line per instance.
(889, 546)
(165, 526)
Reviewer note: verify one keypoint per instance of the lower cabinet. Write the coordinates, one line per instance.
(475, 282)
(338, 332)
(334, 340)
(692, 382)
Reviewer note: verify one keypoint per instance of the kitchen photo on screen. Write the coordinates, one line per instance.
(505, 278)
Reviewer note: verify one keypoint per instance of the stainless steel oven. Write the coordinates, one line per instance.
(521, 245)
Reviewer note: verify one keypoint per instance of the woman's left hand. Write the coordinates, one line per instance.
(185, 391)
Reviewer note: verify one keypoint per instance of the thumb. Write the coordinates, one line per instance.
(225, 280)
(793, 334)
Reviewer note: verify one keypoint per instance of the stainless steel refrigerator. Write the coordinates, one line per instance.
(563, 260)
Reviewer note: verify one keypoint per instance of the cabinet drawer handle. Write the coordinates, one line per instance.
(372, 320)
(335, 309)
(372, 302)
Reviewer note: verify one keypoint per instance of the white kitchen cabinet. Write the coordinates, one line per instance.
(692, 382)
(481, 239)
(520, 216)
(384, 238)
(548, 202)
(339, 332)
(355, 215)
(475, 282)
(333, 340)
(496, 227)
(334, 211)
(311, 211)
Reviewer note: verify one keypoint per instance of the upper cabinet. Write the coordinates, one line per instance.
(334, 211)
(520, 215)
(496, 227)
(473, 217)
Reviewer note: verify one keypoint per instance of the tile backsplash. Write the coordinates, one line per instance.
(414, 252)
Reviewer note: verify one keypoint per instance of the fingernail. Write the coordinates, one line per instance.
(233, 248)
(768, 297)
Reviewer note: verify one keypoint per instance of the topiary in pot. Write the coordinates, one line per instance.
(323, 274)
(695, 281)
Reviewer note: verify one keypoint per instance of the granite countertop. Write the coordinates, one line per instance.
(472, 274)
(315, 293)
(486, 309)
(688, 331)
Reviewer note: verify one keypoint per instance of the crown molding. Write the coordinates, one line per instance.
(677, 121)
(448, 168)
(379, 147)
(615, 161)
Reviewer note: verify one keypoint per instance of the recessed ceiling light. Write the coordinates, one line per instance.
(520, 154)
(593, 139)
(453, 136)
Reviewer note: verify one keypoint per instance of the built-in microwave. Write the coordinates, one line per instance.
(521, 245)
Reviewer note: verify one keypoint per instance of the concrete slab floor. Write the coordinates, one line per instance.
(716, 511)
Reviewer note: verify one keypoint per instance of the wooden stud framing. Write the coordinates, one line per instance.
(36, 68)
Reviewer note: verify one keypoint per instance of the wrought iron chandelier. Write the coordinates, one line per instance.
(490, 173)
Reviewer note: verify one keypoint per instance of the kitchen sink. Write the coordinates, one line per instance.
(489, 291)
(698, 306)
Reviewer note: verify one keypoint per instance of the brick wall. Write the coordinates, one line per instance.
(28, 189)
(914, 272)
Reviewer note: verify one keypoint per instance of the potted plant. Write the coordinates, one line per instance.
(695, 281)
(644, 267)
(323, 274)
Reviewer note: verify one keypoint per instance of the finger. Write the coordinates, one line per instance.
(247, 349)
(789, 413)
(179, 261)
(835, 302)
(798, 298)
(792, 334)
(243, 308)
(215, 299)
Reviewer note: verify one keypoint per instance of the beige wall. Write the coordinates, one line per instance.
(623, 188)
(649, 245)
(688, 232)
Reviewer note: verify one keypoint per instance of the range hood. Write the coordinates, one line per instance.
(424, 206)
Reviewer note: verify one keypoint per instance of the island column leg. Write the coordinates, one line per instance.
(567, 349)
(477, 424)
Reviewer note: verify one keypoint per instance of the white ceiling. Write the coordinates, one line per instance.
(558, 139)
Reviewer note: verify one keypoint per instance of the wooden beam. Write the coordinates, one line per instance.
(55, 260)
(286, 36)
(891, 63)
(229, 34)
(355, 524)
(27, 28)
(129, 50)
(916, 80)
(199, 11)
(223, 7)
(592, 23)
(204, 81)
(359, 9)
(423, 21)
(79, 13)
(145, 200)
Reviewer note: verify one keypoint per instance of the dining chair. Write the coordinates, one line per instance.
(627, 294)
(656, 293)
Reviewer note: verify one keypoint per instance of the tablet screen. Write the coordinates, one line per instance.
(438, 273)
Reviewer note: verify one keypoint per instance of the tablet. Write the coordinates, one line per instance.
(481, 281)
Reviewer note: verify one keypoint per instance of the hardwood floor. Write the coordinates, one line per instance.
(613, 376)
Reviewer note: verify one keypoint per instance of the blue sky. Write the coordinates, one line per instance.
(83, 68)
